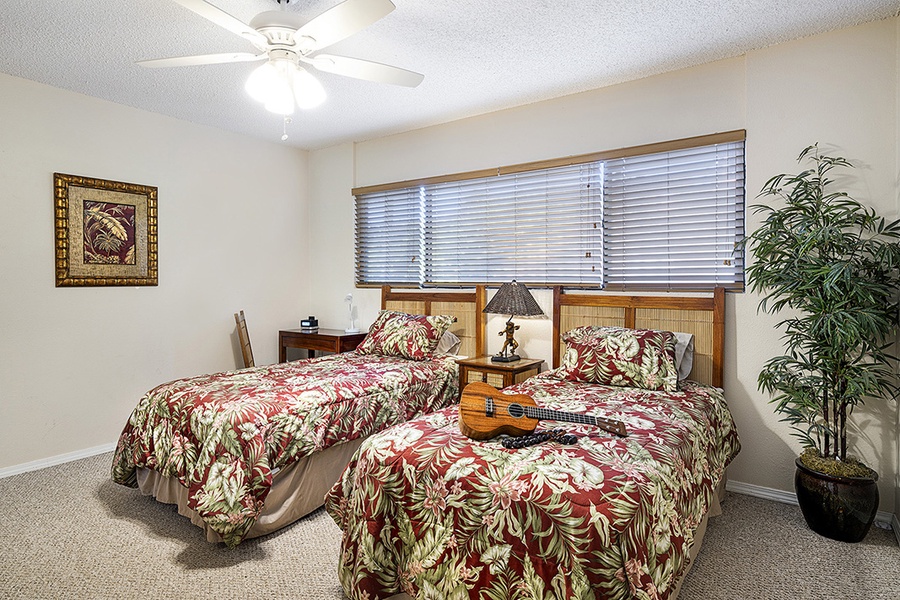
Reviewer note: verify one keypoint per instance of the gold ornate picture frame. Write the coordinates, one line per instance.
(105, 232)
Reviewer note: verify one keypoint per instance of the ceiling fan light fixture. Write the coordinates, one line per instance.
(270, 84)
(280, 82)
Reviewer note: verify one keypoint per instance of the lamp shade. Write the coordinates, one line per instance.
(514, 299)
(261, 80)
(308, 92)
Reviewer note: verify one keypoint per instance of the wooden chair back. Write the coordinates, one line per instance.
(244, 337)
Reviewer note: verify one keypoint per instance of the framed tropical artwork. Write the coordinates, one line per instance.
(105, 232)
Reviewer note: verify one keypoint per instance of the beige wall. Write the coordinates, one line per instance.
(232, 235)
(839, 89)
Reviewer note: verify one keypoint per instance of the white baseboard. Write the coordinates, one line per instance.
(883, 519)
(36, 465)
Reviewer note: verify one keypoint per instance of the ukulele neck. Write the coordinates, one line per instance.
(535, 412)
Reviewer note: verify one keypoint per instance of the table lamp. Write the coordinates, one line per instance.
(515, 300)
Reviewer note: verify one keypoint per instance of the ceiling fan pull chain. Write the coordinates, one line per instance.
(284, 135)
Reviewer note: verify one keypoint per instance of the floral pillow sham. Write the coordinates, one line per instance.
(400, 334)
(640, 358)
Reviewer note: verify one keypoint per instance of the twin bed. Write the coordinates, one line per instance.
(427, 512)
(244, 453)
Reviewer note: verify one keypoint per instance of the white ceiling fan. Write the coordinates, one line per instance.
(286, 42)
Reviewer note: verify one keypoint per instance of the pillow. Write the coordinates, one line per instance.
(408, 336)
(448, 344)
(641, 358)
(684, 354)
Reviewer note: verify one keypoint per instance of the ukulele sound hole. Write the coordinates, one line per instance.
(515, 410)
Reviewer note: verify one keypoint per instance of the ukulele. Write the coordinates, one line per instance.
(485, 412)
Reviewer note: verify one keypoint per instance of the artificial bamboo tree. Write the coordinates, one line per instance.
(833, 263)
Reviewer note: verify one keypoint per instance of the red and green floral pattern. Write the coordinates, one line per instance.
(409, 336)
(224, 436)
(641, 358)
(426, 511)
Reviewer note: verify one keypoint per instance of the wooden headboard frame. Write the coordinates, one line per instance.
(702, 316)
(467, 307)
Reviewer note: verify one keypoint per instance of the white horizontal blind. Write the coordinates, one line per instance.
(674, 219)
(670, 219)
(538, 227)
(388, 234)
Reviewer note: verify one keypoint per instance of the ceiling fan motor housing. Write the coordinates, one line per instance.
(279, 29)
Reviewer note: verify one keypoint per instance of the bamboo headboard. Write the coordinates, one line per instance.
(704, 317)
(467, 307)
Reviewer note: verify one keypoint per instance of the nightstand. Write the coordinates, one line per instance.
(497, 374)
(325, 340)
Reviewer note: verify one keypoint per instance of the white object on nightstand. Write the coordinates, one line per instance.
(353, 328)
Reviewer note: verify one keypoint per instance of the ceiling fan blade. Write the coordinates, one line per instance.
(341, 22)
(202, 59)
(365, 69)
(223, 19)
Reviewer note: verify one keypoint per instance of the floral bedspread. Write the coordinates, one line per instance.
(225, 435)
(426, 511)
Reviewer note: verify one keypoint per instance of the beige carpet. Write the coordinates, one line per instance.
(69, 532)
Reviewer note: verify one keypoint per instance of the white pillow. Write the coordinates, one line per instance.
(684, 354)
(449, 344)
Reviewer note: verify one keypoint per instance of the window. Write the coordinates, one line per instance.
(673, 219)
(536, 226)
(663, 216)
(388, 231)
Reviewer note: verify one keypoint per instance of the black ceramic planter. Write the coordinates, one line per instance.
(840, 508)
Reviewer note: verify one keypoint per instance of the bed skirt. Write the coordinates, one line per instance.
(297, 490)
(715, 509)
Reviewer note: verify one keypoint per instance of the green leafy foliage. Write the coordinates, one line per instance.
(832, 262)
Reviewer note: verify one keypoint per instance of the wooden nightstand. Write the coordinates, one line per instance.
(497, 374)
(327, 340)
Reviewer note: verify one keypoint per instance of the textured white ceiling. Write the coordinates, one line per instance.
(477, 55)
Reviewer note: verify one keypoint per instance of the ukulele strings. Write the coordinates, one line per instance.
(555, 415)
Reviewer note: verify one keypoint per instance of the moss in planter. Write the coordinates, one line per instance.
(831, 466)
